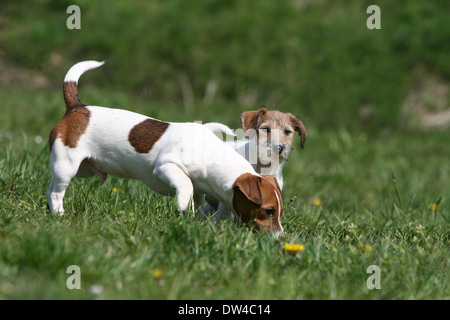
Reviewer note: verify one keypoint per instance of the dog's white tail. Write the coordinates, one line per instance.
(70, 88)
(219, 128)
(79, 68)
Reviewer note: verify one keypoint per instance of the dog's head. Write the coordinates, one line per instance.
(273, 131)
(257, 200)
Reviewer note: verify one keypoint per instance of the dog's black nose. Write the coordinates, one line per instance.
(280, 149)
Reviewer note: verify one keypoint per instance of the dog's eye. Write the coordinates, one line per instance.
(266, 129)
(287, 132)
(270, 212)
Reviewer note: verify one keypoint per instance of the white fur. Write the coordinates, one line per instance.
(187, 157)
(188, 160)
(219, 128)
(249, 150)
(79, 68)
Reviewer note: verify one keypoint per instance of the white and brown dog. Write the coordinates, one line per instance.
(182, 159)
(271, 134)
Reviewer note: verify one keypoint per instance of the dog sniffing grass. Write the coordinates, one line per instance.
(131, 243)
(371, 187)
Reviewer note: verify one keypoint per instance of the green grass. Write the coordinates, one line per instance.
(119, 238)
(382, 179)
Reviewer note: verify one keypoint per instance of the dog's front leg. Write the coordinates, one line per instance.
(223, 213)
(199, 201)
(172, 174)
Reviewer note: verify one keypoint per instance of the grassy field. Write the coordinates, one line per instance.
(371, 186)
(353, 202)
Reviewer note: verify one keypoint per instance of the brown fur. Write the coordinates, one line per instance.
(71, 127)
(144, 135)
(70, 92)
(75, 121)
(250, 192)
(274, 119)
(251, 119)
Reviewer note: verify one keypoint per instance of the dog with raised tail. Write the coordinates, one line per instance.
(186, 160)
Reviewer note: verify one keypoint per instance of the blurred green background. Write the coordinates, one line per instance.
(210, 60)
(375, 104)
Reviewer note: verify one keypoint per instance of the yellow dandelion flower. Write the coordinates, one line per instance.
(115, 190)
(295, 247)
(158, 273)
(317, 202)
(367, 248)
(433, 206)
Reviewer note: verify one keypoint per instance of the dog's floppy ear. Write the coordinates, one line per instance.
(249, 186)
(273, 180)
(249, 119)
(300, 128)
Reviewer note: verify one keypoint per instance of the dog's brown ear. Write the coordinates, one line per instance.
(300, 128)
(249, 186)
(249, 119)
(273, 181)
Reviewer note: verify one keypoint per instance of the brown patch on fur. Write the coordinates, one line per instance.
(71, 127)
(71, 98)
(144, 135)
(274, 182)
(253, 196)
(250, 119)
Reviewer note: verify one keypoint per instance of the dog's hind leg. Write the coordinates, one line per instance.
(63, 170)
(174, 176)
